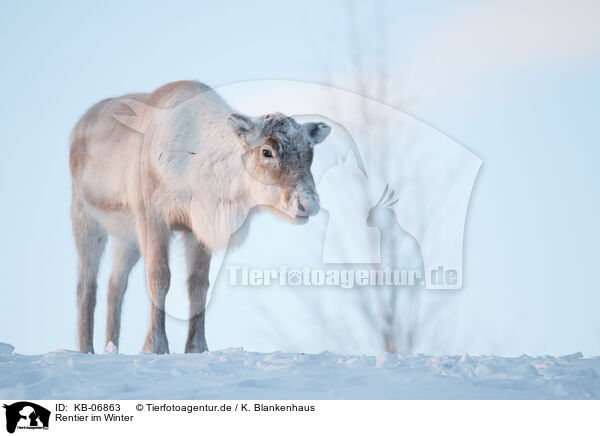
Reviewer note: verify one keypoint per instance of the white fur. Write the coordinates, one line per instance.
(145, 165)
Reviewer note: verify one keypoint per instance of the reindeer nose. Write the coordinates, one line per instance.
(308, 204)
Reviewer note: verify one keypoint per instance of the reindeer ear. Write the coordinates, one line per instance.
(241, 124)
(317, 132)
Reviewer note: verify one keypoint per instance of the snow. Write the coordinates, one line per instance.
(239, 374)
(6, 348)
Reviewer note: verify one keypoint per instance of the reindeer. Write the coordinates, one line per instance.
(183, 161)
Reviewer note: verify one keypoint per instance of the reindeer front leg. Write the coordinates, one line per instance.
(154, 239)
(198, 263)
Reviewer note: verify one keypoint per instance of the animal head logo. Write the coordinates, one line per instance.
(27, 415)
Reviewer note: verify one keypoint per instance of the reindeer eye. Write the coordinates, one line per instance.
(267, 153)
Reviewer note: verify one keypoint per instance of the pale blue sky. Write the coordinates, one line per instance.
(515, 82)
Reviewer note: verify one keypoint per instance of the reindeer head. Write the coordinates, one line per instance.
(278, 156)
(381, 212)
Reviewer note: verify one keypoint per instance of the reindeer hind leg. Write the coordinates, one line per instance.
(125, 255)
(90, 239)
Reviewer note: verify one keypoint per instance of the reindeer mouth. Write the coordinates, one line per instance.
(292, 219)
(299, 220)
(284, 216)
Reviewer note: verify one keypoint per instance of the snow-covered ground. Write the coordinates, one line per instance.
(238, 374)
